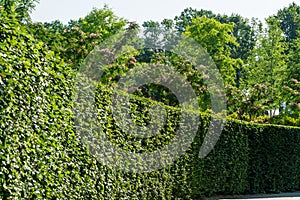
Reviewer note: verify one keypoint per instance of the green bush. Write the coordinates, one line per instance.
(274, 158)
(41, 156)
(248, 157)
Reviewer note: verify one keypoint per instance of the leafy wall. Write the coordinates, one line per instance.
(41, 156)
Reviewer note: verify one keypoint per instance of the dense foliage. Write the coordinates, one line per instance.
(40, 154)
(42, 157)
(259, 65)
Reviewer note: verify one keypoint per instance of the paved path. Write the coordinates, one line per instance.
(283, 196)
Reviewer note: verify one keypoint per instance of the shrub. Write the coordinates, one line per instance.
(42, 157)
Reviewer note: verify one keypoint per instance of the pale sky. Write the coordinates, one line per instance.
(143, 10)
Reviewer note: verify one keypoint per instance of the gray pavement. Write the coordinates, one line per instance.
(282, 196)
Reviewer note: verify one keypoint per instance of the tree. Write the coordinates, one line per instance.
(243, 31)
(289, 18)
(75, 41)
(215, 38)
(245, 34)
(292, 87)
(23, 8)
(100, 21)
(187, 15)
(268, 66)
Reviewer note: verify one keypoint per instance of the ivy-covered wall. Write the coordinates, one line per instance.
(248, 158)
(41, 156)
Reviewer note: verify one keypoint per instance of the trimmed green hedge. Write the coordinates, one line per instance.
(41, 156)
(248, 158)
(274, 159)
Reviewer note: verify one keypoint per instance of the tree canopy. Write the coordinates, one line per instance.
(259, 64)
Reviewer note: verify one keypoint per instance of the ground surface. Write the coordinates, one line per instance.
(282, 196)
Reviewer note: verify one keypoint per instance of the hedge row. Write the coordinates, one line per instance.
(274, 158)
(251, 158)
(42, 157)
(248, 158)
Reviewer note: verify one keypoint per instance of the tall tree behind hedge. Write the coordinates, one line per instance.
(243, 30)
(73, 42)
(23, 8)
(100, 21)
(292, 87)
(268, 67)
(289, 18)
(215, 38)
